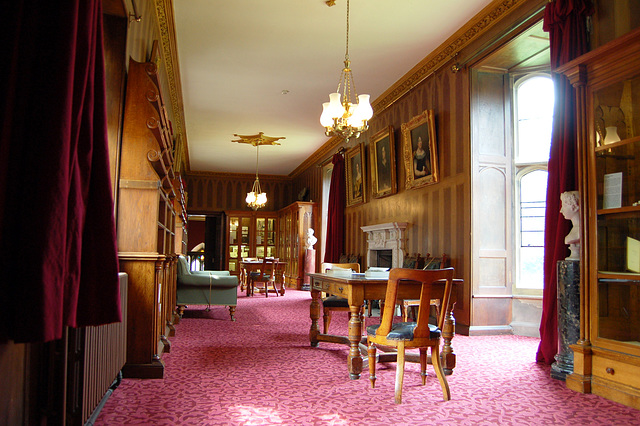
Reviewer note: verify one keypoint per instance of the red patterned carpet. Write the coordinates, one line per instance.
(260, 370)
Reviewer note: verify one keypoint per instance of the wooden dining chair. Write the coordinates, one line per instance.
(336, 303)
(266, 276)
(419, 334)
(278, 277)
(244, 275)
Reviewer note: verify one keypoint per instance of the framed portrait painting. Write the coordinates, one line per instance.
(419, 149)
(383, 164)
(354, 168)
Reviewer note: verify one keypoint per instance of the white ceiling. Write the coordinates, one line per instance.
(238, 57)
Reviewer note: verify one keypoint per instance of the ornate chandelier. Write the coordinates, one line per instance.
(256, 198)
(346, 119)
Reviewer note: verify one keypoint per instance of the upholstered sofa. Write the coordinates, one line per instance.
(205, 288)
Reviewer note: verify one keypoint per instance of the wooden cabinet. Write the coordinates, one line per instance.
(149, 192)
(293, 223)
(607, 356)
(249, 234)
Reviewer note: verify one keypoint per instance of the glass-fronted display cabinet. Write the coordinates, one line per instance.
(607, 356)
(265, 237)
(250, 234)
(294, 221)
(238, 241)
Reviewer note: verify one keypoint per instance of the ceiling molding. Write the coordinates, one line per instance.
(469, 33)
(167, 27)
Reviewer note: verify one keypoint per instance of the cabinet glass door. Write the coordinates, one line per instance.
(270, 236)
(260, 236)
(234, 224)
(245, 244)
(616, 120)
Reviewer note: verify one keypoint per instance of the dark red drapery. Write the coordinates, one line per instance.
(59, 258)
(565, 20)
(334, 246)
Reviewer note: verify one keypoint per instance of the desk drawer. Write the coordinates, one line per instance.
(336, 289)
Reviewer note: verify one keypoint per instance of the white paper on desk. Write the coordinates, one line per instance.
(340, 272)
(612, 191)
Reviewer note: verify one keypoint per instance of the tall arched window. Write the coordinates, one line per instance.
(533, 116)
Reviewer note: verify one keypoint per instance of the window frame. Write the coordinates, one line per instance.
(521, 169)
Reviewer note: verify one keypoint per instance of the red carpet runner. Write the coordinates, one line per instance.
(260, 370)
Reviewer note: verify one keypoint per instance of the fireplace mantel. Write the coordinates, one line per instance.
(386, 236)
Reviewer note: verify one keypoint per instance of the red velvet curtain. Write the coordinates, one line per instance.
(59, 258)
(335, 218)
(565, 20)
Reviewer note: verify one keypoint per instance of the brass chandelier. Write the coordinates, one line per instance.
(256, 198)
(346, 119)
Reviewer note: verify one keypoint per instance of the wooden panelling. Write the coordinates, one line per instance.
(210, 192)
(438, 214)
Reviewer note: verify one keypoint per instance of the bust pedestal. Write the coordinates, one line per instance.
(309, 267)
(568, 316)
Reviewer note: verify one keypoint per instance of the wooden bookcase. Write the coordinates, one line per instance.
(249, 234)
(149, 192)
(293, 223)
(607, 356)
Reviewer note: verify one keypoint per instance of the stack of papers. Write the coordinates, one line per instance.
(375, 272)
(340, 272)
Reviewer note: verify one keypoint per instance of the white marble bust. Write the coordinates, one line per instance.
(311, 239)
(571, 211)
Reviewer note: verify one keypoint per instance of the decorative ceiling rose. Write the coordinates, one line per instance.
(345, 118)
(256, 198)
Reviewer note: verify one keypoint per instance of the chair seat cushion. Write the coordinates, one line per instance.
(335, 302)
(404, 331)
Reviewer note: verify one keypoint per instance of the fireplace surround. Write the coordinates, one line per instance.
(386, 237)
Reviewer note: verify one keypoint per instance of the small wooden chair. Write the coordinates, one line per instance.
(429, 262)
(278, 277)
(335, 303)
(266, 276)
(419, 334)
(244, 275)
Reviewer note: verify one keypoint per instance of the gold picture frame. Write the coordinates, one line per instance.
(421, 162)
(355, 171)
(383, 163)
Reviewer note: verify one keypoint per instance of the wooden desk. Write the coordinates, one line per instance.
(358, 289)
(249, 266)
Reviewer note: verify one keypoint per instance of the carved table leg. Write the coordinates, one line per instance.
(314, 313)
(355, 335)
(449, 330)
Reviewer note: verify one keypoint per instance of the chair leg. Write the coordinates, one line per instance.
(399, 372)
(435, 360)
(371, 351)
(423, 365)
(326, 319)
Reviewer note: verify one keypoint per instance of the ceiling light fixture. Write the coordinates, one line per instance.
(256, 198)
(346, 119)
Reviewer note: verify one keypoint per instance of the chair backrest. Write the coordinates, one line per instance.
(399, 277)
(269, 267)
(353, 266)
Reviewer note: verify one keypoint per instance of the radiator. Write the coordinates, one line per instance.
(105, 353)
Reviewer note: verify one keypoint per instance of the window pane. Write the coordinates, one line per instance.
(534, 115)
(531, 275)
(533, 193)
